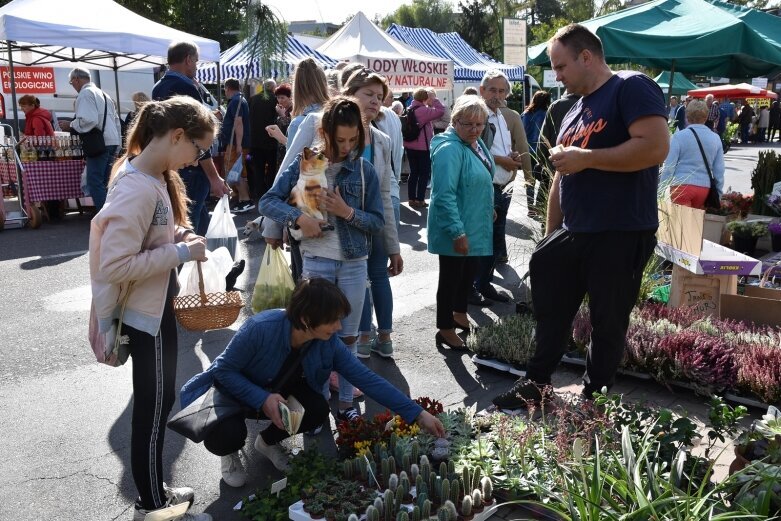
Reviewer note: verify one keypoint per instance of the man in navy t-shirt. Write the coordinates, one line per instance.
(602, 213)
(202, 179)
(235, 140)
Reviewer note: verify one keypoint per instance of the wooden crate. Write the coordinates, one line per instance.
(702, 292)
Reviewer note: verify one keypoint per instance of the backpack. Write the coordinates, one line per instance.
(410, 130)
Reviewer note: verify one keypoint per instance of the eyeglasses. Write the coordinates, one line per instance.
(201, 152)
(471, 126)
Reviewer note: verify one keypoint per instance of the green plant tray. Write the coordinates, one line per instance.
(497, 365)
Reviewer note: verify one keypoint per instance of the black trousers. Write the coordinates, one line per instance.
(231, 435)
(419, 173)
(456, 275)
(485, 265)
(262, 172)
(154, 393)
(563, 268)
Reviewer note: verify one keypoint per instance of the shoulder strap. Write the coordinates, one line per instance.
(105, 111)
(702, 151)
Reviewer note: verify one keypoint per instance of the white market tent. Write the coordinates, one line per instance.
(404, 66)
(238, 63)
(98, 34)
(470, 65)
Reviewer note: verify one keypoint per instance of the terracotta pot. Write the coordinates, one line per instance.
(316, 516)
(488, 502)
(479, 509)
(740, 462)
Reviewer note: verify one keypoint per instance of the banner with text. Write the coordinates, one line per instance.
(407, 74)
(514, 41)
(29, 80)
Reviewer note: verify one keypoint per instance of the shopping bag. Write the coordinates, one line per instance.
(275, 283)
(222, 231)
(234, 174)
(214, 271)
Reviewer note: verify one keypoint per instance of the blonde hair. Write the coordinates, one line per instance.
(157, 118)
(696, 111)
(468, 106)
(309, 86)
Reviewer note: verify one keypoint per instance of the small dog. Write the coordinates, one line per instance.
(253, 226)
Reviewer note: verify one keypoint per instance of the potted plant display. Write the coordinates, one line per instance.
(745, 235)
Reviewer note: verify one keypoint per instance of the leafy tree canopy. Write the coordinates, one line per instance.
(436, 15)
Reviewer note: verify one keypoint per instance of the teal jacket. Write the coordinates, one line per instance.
(462, 196)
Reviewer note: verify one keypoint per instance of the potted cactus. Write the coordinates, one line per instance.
(315, 509)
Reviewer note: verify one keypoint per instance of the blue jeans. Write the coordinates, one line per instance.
(396, 210)
(98, 171)
(350, 277)
(485, 268)
(419, 173)
(380, 295)
(198, 188)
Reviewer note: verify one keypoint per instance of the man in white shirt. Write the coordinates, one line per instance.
(494, 89)
(95, 109)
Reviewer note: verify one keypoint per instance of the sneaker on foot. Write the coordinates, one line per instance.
(233, 472)
(178, 495)
(243, 207)
(522, 392)
(350, 414)
(383, 348)
(169, 513)
(274, 453)
(365, 348)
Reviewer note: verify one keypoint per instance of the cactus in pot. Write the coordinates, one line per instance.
(487, 486)
(425, 510)
(414, 471)
(402, 516)
(451, 509)
(416, 513)
(387, 503)
(477, 501)
(455, 491)
(466, 507)
(444, 491)
(393, 482)
(372, 514)
(444, 515)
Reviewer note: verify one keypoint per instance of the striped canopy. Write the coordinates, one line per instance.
(237, 63)
(470, 65)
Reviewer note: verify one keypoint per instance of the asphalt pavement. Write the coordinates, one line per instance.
(66, 419)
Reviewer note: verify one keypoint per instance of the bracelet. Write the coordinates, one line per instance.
(351, 217)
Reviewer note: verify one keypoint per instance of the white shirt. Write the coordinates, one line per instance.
(89, 114)
(502, 145)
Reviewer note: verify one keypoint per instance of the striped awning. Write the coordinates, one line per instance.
(236, 62)
(470, 65)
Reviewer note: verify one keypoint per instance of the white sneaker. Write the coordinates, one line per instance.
(274, 453)
(169, 513)
(233, 472)
(179, 494)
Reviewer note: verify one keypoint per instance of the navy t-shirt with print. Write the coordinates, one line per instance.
(595, 200)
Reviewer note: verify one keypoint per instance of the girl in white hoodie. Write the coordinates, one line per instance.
(137, 240)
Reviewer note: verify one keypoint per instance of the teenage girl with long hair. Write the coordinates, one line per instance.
(352, 202)
(137, 240)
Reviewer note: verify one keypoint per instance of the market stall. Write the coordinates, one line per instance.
(405, 67)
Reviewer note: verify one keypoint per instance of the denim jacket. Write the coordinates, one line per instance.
(355, 236)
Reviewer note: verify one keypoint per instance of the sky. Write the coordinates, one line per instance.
(333, 11)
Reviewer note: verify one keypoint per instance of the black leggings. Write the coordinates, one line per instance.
(455, 282)
(230, 435)
(154, 393)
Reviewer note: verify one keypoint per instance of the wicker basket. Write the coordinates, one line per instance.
(207, 311)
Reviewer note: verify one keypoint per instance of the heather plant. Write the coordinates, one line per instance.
(581, 328)
(759, 372)
(709, 364)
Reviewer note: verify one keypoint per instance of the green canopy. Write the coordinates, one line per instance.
(706, 37)
(681, 85)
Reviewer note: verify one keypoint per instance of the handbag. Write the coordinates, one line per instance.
(92, 142)
(713, 200)
(200, 418)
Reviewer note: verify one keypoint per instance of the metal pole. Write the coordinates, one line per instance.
(13, 87)
(116, 84)
(219, 86)
(672, 79)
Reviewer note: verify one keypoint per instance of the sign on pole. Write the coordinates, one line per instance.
(29, 80)
(549, 79)
(514, 41)
(759, 82)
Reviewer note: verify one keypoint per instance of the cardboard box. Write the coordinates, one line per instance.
(701, 292)
(762, 306)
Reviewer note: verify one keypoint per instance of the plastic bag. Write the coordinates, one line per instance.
(214, 271)
(234, 174)
(222, 231)
(275, 283)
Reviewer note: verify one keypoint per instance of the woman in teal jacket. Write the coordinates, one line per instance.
(461, 213)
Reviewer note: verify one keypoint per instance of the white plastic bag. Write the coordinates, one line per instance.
(214, 271)
(234, 174)
(222, 231)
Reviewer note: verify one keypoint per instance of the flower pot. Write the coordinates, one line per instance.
(775, 241)
(745, 245)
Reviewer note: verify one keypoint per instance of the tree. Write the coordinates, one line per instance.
(436, 15)
(474, 26)
(266, 36)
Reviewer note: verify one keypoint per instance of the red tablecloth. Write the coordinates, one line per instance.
(52, 180)
(7, 177)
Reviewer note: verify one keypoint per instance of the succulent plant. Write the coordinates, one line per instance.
(487, 486)
(387, 503)
(372, 514)
(444, 491)
(402, 516)
(443, 515)
(419, 484)
(478, 474)
(352, 517)
(398, 499)
(455, 490)
(404, 484)
(393, 482)
(451, 509)
(424, 461)
(406, 461)
(415, 452)
(392, 463)
(477, 499)
(770, 424)
(414, 471)
(378, 504)
(466, 506)
(443, 469)
(425, 510)
(421, 499)
(416, 513)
